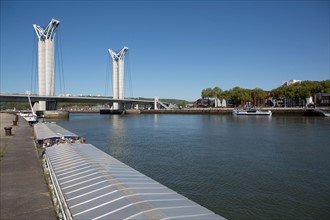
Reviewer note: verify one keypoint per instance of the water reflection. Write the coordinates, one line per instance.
(155, 120)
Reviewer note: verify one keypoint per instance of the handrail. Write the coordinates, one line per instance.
(66, 214)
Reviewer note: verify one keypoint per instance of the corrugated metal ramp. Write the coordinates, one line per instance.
(45, 131)
(97, 186)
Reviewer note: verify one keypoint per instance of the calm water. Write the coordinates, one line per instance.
(239, 167)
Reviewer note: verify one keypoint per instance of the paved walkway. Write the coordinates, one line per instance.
(6, 120)
(23, 191)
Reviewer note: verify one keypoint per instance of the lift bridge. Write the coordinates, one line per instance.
(46, 99)
(52, 101)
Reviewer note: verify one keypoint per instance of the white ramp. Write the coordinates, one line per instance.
(97, 186)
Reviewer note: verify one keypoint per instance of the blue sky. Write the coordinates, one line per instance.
(176, 48)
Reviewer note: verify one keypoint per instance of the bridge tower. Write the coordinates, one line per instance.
(118, 83)
(46, 81)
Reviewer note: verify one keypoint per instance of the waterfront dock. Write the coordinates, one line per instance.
(23, 190)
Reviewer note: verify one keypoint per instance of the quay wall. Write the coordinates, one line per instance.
(275, 111)
(56, 114)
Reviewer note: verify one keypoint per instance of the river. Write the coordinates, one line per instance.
(239, 167)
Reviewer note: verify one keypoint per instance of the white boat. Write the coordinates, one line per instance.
(239, 111)
(29, 116)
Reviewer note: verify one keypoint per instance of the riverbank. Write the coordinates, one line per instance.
(275, 111)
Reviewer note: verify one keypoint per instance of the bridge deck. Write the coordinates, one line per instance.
(97, 186)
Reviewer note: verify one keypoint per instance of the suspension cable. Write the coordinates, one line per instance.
(36, 85)
(32, 83)
(107, 76)
(57, 65)
(61, 59)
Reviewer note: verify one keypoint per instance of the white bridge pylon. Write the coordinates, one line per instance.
(46, 82)
(118, 83)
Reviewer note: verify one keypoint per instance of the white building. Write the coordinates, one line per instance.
(290, 82)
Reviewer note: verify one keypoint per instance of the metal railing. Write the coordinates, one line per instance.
(64, 210)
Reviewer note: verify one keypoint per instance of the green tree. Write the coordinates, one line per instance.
(240, 95)
(278, 93)
(217, 92)
(325, 85)
(207, 93)
(302, 89)
(182, 104)
(227, 95)
(258, 96)
(16, 105)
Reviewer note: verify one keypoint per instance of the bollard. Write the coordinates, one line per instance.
(8, 131)
(14, 123)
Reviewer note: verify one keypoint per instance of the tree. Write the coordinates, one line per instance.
(217, 92)
(278, 93)
(325, 85)
(298, 91)
(227, 95)
(258, 95)
(16, 105)
(302, 89)
(290, 94)
(207, 93)
(240, 96)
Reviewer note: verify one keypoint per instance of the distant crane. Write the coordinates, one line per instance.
(118, 83)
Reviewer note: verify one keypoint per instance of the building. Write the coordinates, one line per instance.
(290, 82)
(322, 99)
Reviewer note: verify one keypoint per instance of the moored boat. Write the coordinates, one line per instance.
(29, 116)
(239, 111)
(316, 112)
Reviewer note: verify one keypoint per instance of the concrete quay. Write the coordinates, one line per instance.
(275, 111)
(23, 190)
(6, 120)
(56, 114)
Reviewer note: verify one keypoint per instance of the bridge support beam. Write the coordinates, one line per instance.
(156, 103)
(41, 106)
(46, 106)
